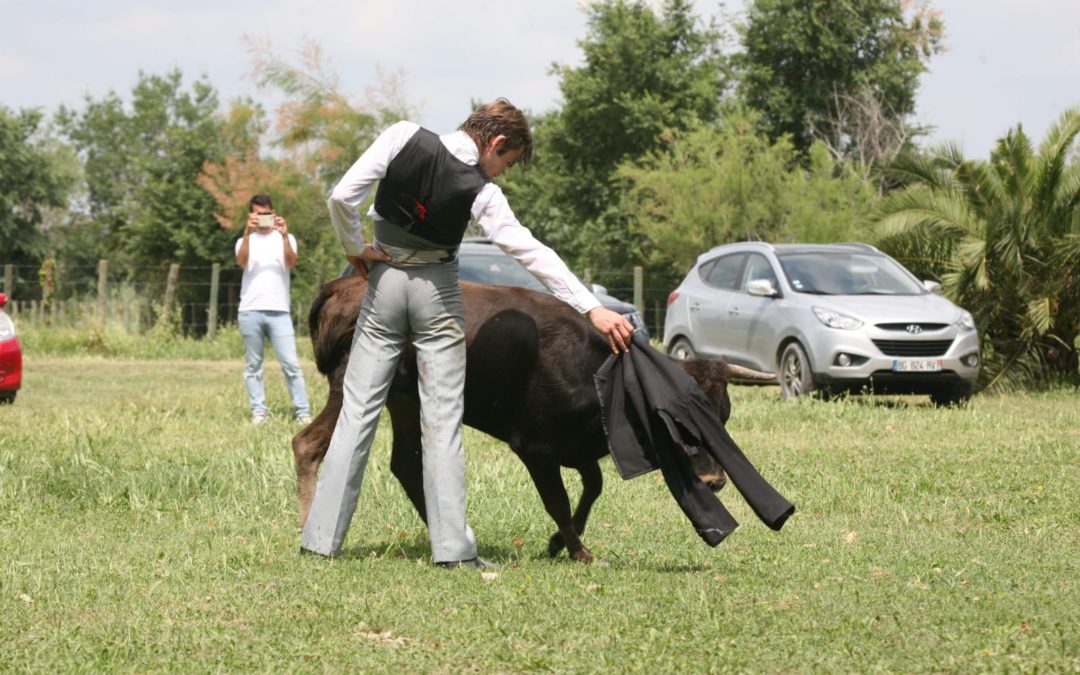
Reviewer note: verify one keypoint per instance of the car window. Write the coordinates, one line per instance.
(758, 269)
(706, 269)
(724, 273)
(487, 268)
(842, 273)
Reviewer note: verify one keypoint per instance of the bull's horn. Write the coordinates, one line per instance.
(749, 374)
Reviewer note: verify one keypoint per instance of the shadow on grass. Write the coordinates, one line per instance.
(871, 400)
(416, 550)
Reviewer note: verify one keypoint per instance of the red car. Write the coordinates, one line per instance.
(10, 356)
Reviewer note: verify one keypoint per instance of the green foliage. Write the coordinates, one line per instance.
(317, 120)
(719, 183)
(1004, 238)
(801, 55)
(319, 134)
(643, 72)
(141, 161)
(34, 179)
(113, 340)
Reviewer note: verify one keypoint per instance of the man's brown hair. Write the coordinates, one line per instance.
(500, 118)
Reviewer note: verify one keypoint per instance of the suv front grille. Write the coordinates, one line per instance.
(925, 327)
(913, 347)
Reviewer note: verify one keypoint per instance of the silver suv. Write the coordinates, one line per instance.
(836, 317)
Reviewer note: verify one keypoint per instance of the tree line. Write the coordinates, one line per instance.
(674, 134)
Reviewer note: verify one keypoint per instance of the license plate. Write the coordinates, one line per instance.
(916, 365)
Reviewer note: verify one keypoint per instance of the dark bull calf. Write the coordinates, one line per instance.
(529, 382)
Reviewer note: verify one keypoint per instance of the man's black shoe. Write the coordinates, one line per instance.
(476, 563)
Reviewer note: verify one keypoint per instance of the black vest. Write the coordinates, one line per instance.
(428, 191)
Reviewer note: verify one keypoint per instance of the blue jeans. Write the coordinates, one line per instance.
(255, 327)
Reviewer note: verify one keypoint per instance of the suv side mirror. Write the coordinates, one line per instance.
(597, 288)
(762, 288)
(932, 286)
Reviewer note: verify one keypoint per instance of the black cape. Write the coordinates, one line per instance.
(652, 408)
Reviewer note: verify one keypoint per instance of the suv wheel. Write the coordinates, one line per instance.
(682, 350)
(956, 395)
(795, 376)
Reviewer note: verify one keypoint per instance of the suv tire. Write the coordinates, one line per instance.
(795, 376)
(682, 350)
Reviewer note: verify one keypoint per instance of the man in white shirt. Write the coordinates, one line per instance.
(267, 252)
(429, 188)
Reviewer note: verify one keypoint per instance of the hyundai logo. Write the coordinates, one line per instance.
(913, 328)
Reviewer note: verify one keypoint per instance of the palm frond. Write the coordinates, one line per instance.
(983, 187)
(1011, 367)
(1067, 251)
(1012, 157)
(1066, 201)
(1040, 316)
(948, 154)
(924, 207)
(918, 169)
(971, 253)
(1054, 153)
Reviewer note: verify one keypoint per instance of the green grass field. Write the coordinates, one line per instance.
(146, 526)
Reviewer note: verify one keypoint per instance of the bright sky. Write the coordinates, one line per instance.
(1009, 61)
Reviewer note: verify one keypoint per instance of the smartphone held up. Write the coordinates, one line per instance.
(265, 222)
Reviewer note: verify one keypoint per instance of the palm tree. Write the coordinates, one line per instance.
(1003, 237)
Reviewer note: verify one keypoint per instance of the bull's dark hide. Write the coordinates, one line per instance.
(530, 364)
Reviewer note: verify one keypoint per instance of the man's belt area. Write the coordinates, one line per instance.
(411, 256)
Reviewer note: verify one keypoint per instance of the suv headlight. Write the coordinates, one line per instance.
(966, 321)
(836, 319)
(7, 327)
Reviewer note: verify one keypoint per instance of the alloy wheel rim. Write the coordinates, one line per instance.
(793, 373)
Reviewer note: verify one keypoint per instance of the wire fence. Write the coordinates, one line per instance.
(136, 298)
(201, 298)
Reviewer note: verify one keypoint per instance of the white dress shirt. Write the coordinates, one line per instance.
(490, 210)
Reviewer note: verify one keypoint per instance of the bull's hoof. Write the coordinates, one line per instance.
(555, 545)
(582, 556)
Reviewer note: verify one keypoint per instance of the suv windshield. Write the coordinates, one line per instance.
(843, 273)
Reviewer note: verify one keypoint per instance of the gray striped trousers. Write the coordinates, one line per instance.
(421, 304)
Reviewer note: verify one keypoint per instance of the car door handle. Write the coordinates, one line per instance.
(733, 311)
(695, 307)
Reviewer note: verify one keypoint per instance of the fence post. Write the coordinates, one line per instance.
(55, 307)
(639, 290)
(588, 278)
(47, 282)
(170, 287)
(211, 315)
(102, 287)
(9, 279)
